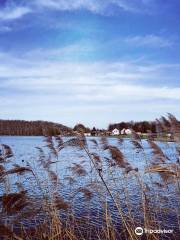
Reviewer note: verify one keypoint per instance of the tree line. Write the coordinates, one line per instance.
(143, 126)
(32, 128)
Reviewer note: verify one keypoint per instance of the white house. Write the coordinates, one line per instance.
(126, 131)
(169, 135)
(123, 131)
(115, 132)
(87, 134)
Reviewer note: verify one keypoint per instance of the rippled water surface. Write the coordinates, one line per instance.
(26, 154)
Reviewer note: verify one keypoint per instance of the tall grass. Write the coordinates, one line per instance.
(103, 183)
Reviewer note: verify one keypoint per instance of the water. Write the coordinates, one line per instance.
(71, 184)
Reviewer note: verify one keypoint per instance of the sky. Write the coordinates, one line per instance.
(89, 61)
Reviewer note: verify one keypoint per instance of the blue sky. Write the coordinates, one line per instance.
(89, 61)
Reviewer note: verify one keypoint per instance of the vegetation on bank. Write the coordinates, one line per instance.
(141, 126)
(32, 128)
(108, 178)
(42, 128)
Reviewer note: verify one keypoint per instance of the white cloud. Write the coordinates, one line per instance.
(97, 6)
(98, 79)
(149, 41)
(13, 12)
(35, 87)
(58, 61)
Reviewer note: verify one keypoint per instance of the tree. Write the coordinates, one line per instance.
(80, 128)
(32, 128)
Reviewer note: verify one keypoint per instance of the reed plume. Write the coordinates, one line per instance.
(14, 202)
(158, 155)
(119, 158)
(94, 141)
(78, 169)
(175, 127)
(19, 170)
(59, 142)
(51, 146)
(87, 193)
(136, 141)
(104, 142)
(54, 216)
(7, 233)
(59, 202)
(6, 152)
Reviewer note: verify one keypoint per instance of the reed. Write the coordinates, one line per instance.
(104, 175)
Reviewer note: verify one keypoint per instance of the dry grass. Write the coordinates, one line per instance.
(108, 179)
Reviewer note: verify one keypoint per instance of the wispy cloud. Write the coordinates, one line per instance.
(70, 5)
(149, 41)
(13, 12)
(136, 6)
(68, 87)
(98, 6)
(52, 64)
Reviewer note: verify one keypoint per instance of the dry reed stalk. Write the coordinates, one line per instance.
(7, 151)
(175, 127)
(110, 232)
(148, 221)
(162, 169)
(7, 233)
(117, 156)
(78, 169)
(136, 141)
(131, 233)
(104, 142)
(2, 170)
(119, 159)
(59, 203)
(19, 170)
(86, 192)
(54, 229)
(50, 145)
(94, 141)
(79, 142)
(14, 202)
(158, 155)
(59, 141)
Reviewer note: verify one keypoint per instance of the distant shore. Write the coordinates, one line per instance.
(160, 139)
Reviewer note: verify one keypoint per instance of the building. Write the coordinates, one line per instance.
(115, 132)
(126, 131)
(123, 131)
(87, 134)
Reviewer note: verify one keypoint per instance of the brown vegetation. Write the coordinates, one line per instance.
(108, 180)
(32, 128)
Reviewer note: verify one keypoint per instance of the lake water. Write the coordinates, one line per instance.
(120, 184)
